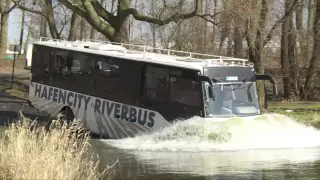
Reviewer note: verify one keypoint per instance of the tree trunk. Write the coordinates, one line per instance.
(50, 19)
(113, 25)
(314, 69)
(82, 29)
(92, 33)
(74, 27)
(238, 45)
(200, 30)
(43, 27)
(120, 29)
(178, 42)
(229, 48)
(225, 30)
(4, 34)
(302, 49)
(153, 36)
(292, 56)
(21, 32)
(284, 56)
(213, 39)
(178, 39)
(27, 41)
(205, 29)
(255, 41)
(120, 35)
(223, 36)
(309, 39)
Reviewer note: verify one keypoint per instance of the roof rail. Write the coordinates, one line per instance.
(146, 49)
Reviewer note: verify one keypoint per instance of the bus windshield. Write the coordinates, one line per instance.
(232, 99)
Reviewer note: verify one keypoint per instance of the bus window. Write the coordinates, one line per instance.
(82, 66)
(185, 91)
(41, 64)
(157, 83)
(36, 64)
(107, 68)
(60, 63)
(108, 81)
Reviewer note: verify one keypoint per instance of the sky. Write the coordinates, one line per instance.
(14, 26)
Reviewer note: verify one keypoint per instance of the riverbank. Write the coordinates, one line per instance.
(34, 153)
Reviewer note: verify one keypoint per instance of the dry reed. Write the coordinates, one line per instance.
(35, 153)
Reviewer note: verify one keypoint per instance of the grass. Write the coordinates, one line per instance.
(18, 89)
(35, 153)
(293, 106)
(306, 113)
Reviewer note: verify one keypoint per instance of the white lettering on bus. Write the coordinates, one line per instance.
(120, 111)
(62, 96)
(125, 112)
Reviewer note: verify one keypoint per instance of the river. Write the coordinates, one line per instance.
(272, 147)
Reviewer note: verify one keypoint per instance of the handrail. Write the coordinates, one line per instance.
(177, 55)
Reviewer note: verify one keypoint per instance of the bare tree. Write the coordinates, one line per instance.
(288, 55)
(45, 9)
(112, 26)
(258, 37)
(73, 28)
(314, 67)
(309, 39)
(5, 8)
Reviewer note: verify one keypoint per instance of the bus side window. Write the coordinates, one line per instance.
(185, 91)
(36, 64)
(83, 67)
(106, 68)
(41, 64)
(157, 83)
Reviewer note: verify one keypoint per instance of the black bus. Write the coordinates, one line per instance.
(119, 92)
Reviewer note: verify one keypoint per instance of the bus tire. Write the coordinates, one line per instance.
(67, 115)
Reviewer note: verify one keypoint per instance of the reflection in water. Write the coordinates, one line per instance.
(209, 164)
(247, 164)
(270, 147)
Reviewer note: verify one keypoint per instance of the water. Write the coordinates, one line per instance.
(270, 147)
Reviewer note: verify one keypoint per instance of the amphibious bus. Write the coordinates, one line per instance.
(122, 90)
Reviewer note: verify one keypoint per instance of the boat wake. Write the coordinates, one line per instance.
(269, 131)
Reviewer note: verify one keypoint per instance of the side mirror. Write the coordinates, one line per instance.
(264, 77)
(205, 79)
(211, 92)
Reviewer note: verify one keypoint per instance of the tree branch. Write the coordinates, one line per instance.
(205, 17)
(280, 21)
(93, 18)
(63, 22)
(10, 9)
(262, 20)
(175, 17)
(17, 3)
(73, 7)
(110, 18)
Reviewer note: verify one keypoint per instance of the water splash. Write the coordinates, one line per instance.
(269, 131)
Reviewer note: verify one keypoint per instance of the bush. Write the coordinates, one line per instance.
(27, 152)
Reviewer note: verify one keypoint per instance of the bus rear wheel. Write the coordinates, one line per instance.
(66, 115)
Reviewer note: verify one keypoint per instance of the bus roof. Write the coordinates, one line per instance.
(144, 53)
